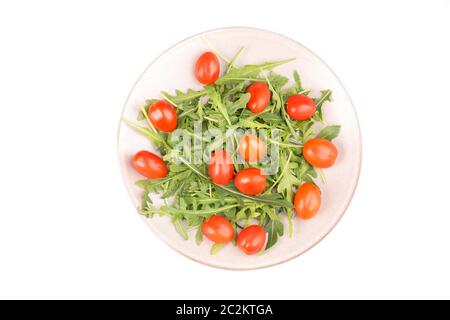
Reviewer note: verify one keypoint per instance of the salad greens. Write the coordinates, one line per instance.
(190, 195)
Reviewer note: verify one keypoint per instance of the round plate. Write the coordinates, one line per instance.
(174, 70)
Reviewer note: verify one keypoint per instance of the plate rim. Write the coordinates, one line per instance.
(358, 146)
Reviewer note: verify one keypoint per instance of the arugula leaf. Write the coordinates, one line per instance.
(217, 102)
(250, 71)
(233, 107)
(251, 124)
(146, 202)
(181, 228)
(275, 229)
(147, 104)
(270, 117)
(298, 83)
(325, 96)
(216, 247)
(199, 235)
(152, 136)
(181, 97)
(329, 132)
(277, 80)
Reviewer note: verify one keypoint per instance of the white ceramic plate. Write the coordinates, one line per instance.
(174, 70)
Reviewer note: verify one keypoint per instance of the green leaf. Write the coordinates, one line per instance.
(182, 97)
(306, 129)
(241, 215)
(325, 96)
(287, 178)
(271, 213)
(146, 202)
(181, 228)
(217, 102)
(305, 172)
(270, 117)
(250, 71)
(277, 80)
(154, 137)
(216, 247)
(329, 132)
(275, 229)
(199, 235)
(148, 103)
(251, 124)
(298, 83)
(241, 103)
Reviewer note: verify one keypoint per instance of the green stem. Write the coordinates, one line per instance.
(322, 176)
(150, 124)
(143, 130)
(185, 113)
(210, 119)
(233, 60)
(287, 145)
(213, 49)
(166, 97)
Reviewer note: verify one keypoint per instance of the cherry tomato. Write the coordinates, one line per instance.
(252, 239)
(250, 181)
(221, 169)
(259, 97)
(163, 116)
(149, 165)
(300, 107)
(307, 201)
(207, 68)
(320, 153)
(252, 148)
(218, 229)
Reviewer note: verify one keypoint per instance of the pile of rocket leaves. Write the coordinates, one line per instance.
(190, 195)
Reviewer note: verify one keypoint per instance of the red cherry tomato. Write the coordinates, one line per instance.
(149, 165)
(307, 201)
(221, 169)
(250, 181)
(300, 107)
(252, 148)
(320, 153)
(259, 97)
(163, 116)
(218, 229)
(207, 68)
(252, 239)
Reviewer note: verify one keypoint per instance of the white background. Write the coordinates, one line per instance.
(67, 227)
